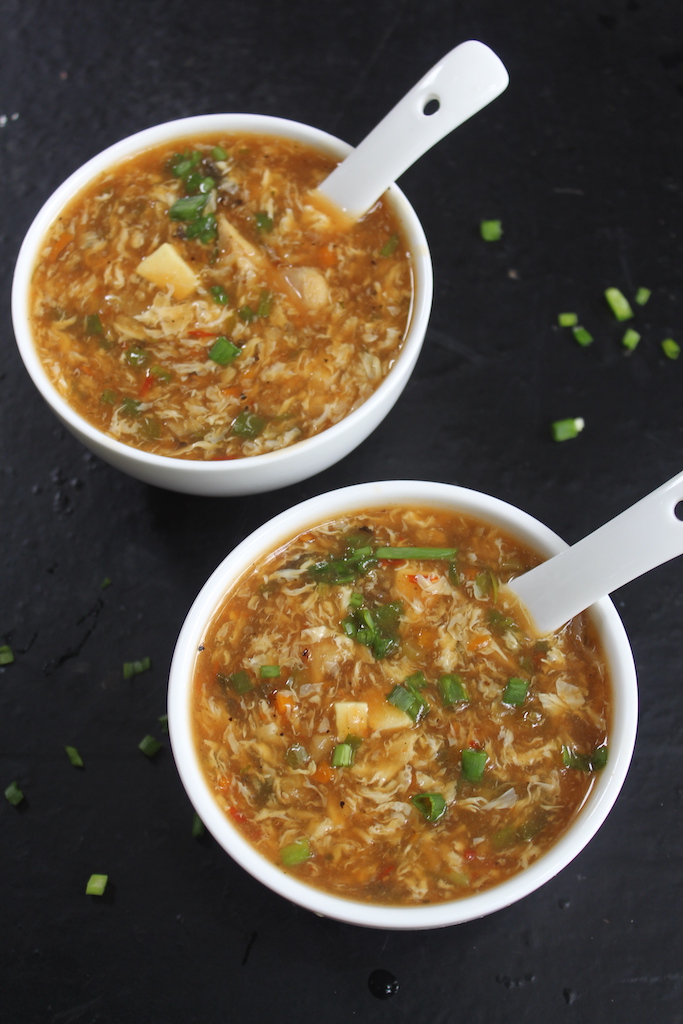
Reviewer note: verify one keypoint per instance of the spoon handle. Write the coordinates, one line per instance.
(463, 82)
(639, 539)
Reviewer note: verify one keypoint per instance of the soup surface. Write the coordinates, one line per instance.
(372, 715)
(197, 301)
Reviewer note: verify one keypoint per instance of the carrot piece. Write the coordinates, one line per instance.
(477, 642)
(284, 701)
(323, 773)
(327, 256)
(60, 244)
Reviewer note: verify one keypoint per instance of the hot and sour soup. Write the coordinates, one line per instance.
(372, 713)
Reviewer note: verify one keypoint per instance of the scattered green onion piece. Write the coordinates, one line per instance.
(93, 324)
(203, 228)
(472, 763)
(618, 303)
(408, 701)
(182, 164)
(642, 295)
(13, 794)
(401, 553)
(343, 755)
(134, 668)
(74, 757)
(390, 246)
(431, 806)
(151, 427)
(96, 885)
(415, 682)
(240, 682)
(501, 623)
(491, 230)
(295, 853)
(567, 319)
(515, 692)
(297, 756)
(161, 373)
(246, 313)
(452, 689)
(564, 430)
(264, 222)
(485, 584)
(163, 722)
(671, 348)
(593, 762)
(248, 424)
(356, 600)
(224, 351)
(106, 582)
(136, 356)
(265, 303)
(583, 337)
(198, 827)
(6, 655)
(219, 295)
(130, 406)
(269, 671)
(630, 339)
(109, 397)
(188, 208)
(149, 746)
(218, 153)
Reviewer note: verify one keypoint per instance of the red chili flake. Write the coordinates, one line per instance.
(383, 872)
(475, 745)
(469, 854)
(146, 385)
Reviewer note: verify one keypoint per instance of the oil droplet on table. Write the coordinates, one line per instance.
(383, 984)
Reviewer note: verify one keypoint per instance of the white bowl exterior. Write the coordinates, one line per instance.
(360, 498)
(240, 476)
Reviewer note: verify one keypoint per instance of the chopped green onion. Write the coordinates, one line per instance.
(415, 553)
(218, 153)
(671, 348)
(592, 762)
(409, 701)
(642, 295)
(13, 794)
(452, 689)
(198, 183)
(163, 722)
(583, 337)
(564, 430)
(109, 397)
(149, 746)
(96, 885)
(567, 319)
(74, 757)
(6, 655)
(269, 671)
(203, 228)
(501, 623)
(491, 230)
(182, 164)
(134, 668)
(246, 313)
(106, 582)
(248, 424)
(343, 755)
(240, 682)
(618, 303)
(264, 222)
(188, 208)
(136, 356)
(93, 324)
(151, 427)
(356, 600)
(431, 806)
(297, 756)
(390, 246)
(515, 692)
(219, 295)
(630, 339)
(223, 351)
(130, 406)
(161, 373)
(295, 853)
(472, 763)
(485, 584)
(198, 828)
(265, 304)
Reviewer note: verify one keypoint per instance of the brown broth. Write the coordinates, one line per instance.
(311, 316)
(267, 745)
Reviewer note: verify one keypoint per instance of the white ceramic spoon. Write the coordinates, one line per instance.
(467, 78)
(631, 544)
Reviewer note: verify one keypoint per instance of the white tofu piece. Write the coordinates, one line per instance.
(351, 717)
(384, 717)
(164, 267)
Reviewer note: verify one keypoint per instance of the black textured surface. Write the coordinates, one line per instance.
(582, 160)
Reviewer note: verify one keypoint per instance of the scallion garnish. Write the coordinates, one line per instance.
(13, 794)
(671, 348)
(218, 153)
(593, 762)
(188, 208)
(375, 628)
(583, 336)
(198, 828)
(515, 692)
(109, 397)
(6, 655)
(406, 697)
(269, 671)
(491, 230)
(618, 303)
(472, 764)
(96, 885)
(564, 430)
(223, 351)
(356, 600)
(265, 303)
(630, 339)
(93, 324)
(567, 319)
(149, 746)
(134, 668)
(404, 553)
(431, 806)
(163, 722)
(74, 757)
(356, 559)
(248, 424)
(130, 406)
(246, 313)
(390, 246)
(219, 295)
(240, 682)
(452, 689)
(137, 356)
(106, 582)
(343, 755)
(203, 228)
(263, 221)
(161, 373)
(295, 853)
(642, 295)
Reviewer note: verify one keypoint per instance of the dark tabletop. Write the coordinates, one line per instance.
(582, 161)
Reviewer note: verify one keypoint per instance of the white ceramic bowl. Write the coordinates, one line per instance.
(355, 499)
(240, 476)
